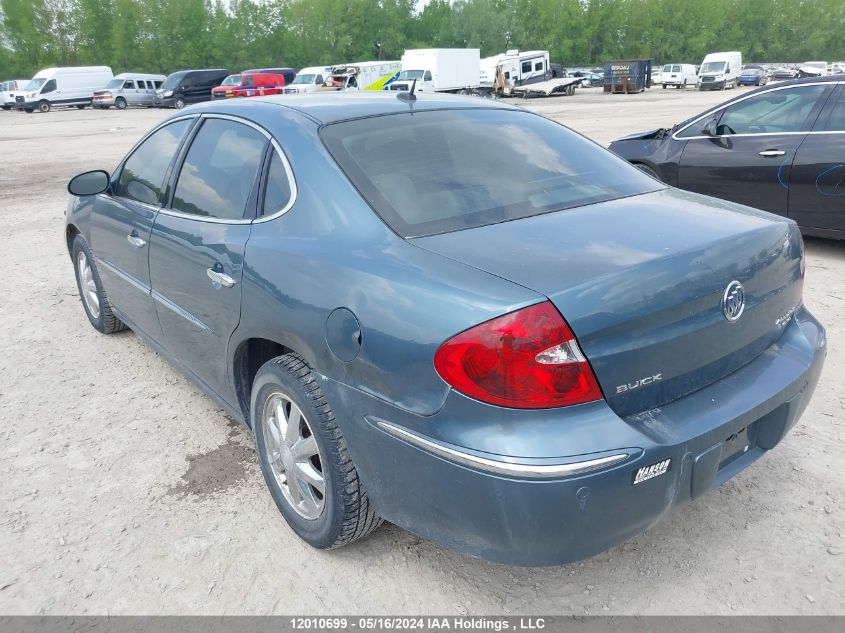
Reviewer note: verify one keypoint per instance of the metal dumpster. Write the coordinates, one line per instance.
(627, 76)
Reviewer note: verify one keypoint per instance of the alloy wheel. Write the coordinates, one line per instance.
(88, 285)
(294, 456)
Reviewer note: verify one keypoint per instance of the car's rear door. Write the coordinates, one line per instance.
(749, 158)
(121, 221)
(198, 241)
(817, 184)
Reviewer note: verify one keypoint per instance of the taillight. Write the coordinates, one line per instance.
(528, 359)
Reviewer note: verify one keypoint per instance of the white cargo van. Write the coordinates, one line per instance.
(678, 75)
(8, 90)
(720, 71)
(455, 70)
(309, 79)
(72, 86)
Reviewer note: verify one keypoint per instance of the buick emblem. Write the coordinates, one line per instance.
(733, 301)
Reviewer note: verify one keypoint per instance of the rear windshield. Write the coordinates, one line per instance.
(446, 170)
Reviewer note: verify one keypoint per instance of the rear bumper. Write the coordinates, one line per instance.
(523, 515)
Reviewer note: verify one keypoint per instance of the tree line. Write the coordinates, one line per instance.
(166, 35)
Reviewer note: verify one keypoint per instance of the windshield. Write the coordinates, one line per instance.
(115, 83)
(172, 81)
(232, 80)
(713, 67)
(35, 84)
(410, 75)
(304, 79)
(423, 174)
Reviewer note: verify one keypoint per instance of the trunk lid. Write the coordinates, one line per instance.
(641, 282)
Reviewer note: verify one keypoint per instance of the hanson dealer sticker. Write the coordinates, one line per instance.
(650, 472)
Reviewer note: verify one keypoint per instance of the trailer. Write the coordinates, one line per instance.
(454, 70)
(501, 73)
(564, 86)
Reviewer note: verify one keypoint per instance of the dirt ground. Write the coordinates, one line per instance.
(123, 490)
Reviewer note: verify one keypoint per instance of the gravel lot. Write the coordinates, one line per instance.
(123, 490)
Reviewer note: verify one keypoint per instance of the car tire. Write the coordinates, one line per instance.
(43, 106)
(179, 104)
(91, 291)
(81, 107)
(342, 513)
(664, 86)
(120, 103)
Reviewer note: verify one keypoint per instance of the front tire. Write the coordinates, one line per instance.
(91, 291)
(304, 457)
(43, 106)
(179, 104)
(120, 103)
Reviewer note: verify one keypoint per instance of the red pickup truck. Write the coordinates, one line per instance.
(249, 85)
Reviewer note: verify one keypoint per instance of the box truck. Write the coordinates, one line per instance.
(363, 76)
(72, 86)
(455, 70)
(720, 71)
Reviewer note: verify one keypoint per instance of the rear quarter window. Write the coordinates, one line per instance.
(439, 171)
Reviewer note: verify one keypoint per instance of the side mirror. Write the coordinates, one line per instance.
(89, 184)
(710, 128)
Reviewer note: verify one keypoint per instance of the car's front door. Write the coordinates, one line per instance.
(198, 241)
(749, 157)
(817, 185)
(122, 219)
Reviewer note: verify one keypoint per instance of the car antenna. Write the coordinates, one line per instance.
(409, 96)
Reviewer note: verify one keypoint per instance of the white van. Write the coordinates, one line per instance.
(720, 71)
(72, 86)
(678, 75)
(8, 90)
(309, 79)
(128, 89)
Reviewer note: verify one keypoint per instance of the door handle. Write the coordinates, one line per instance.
(135, 240)
(771, 153)
(219, 277)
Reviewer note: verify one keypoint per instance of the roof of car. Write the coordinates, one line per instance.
(330, 107)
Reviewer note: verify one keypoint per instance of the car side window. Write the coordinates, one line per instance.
(278, 191)
(836, 119)
(142, 177)
(775, 111)
(50, 86)
(319, 79)
(129, 85)
(219, 170)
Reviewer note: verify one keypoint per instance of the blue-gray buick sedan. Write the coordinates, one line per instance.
(451, 314)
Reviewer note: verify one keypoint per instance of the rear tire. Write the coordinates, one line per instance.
(91, 291)
(120, 103)
(285, 390)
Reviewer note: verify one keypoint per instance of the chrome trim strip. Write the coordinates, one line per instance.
(725, 105)
(137, 283)
(167, 303)
(288, 171)
(535, 471)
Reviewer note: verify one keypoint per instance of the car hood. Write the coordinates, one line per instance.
(651, 134)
